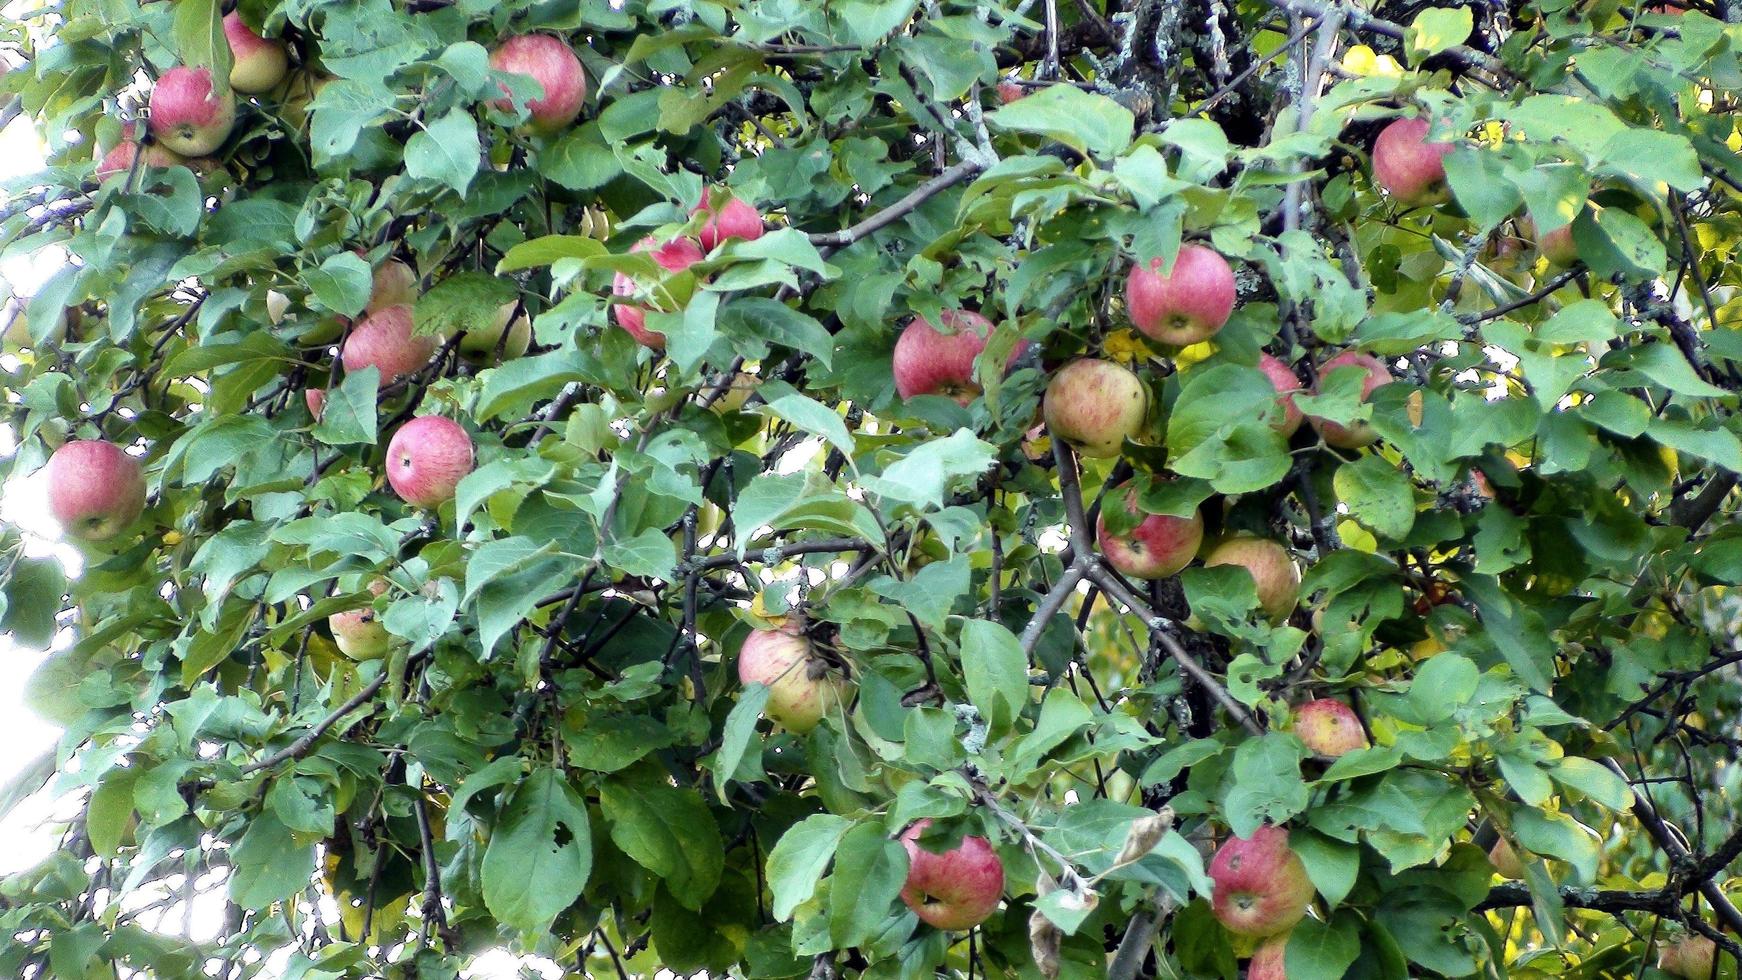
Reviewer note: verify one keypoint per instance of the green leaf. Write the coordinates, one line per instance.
(759, 322)
(1087, 122)
(1332, 864)
(348, 413)
(784, 402)
(1651, 155)
(737, 735)
(1616, 242)
(341, 284)
(445, 151)
(200, 40)
(463, 301)
(649, 554)
(549, 250)
(1319, 950)
(1437, 28)
(1378, 496)
(996, 672)
(667, 830)
(926, 473)
(540, 853)
(1478, 180)
(870, 869)
(268, 865)
(799, 858)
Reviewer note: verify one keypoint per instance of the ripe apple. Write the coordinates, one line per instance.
(1273, 571)
(257, 65)
(1269, 959)
(953, 890)
(1185, 306)
(95, 490)
(728, 218)
(929, 361)
(1506, 861)
(393, 283)
(316, 399)
(1261, 887)
(1286, 383)
(673, 256)
(188, 115)
(551, 63)
(1358, 434)
(801, 686)
(1557, 246)
(384, 340)
(426, 459)
(1095, 406)
(1329, 728)
(480, 346)
(119, 159)
(1689, 957)
(1009, 90)
(358, 632)
(1407, 166)
(1159, 546)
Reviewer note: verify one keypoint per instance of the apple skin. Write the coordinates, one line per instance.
(480, 346)
(673, 256)
(359, 633)
(1283, 378)
(426, 460)
(1358, 434)
(384, 340)
(728, 218)
(1273, 571)
(316, 399)
(1261, 887)
(1158, 547)
(393, 283)
(1506, 861)
(1269, 960)
(552, 63)
(257, 65)
(1187, 305)
(119, 159)
(1407, 166)
(95, 490)
(1095, 406)
(187, 115)
(955, 890)
(929, 361)
(1689, 957)
(1009, 91)
(1557, 246)
(801, 687)
(1329, 728)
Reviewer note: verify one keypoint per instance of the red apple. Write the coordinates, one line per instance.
(728, 218)
(801, 686)
(384, 340)
(119, 160)
(1283, 378)
(1358, 434)
(1505, 860)
(1273, 571)
(1329, 728)
(1268, 960)
(1407, 166)
(1095, 406)
(673, 256)
(95, 490)
(316, 399)
(552, 64)
(426, 460)
(1186, 305)
(1261, 887)
(1159, 546)
(257, 65)
(1557, 246)
(953, 890)
(393, 284)
(1689, 957)
(188, 115)
(929, 361)
(1009, 90)
(486, 346)
(358, 632)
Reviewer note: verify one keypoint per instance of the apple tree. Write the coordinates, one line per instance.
(1118, 488)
